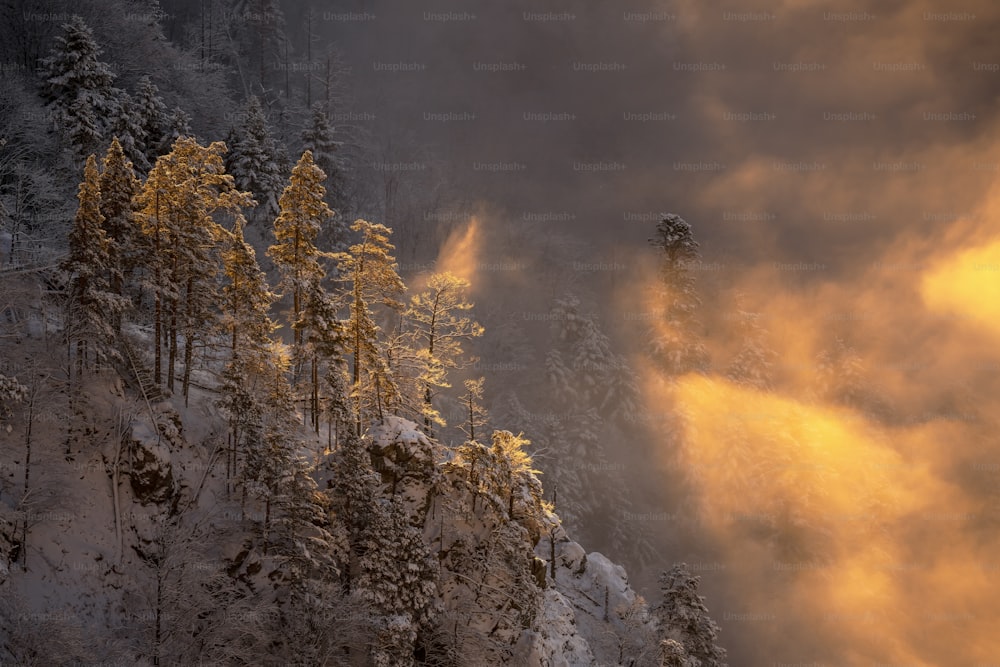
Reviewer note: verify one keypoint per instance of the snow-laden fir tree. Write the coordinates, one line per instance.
(93, 308)
(78, 88)
(398, 579)
(178, 125)
(684, 618)
(127, 128)
(843, 377)
(153, 118)
(318, 137)
(594, 396)
(254, 159)
(676, 337)
(119, 186)
(246, 321)
(324, 342)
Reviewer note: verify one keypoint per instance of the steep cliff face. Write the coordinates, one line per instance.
(138, 547)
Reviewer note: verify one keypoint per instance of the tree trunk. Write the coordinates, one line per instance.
(158, 299)
(172, 353)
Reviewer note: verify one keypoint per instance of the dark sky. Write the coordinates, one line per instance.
(831, 89)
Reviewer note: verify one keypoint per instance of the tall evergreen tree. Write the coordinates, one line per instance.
(303, 214)
(119, 187)
(127, 128)
(370, 268)
(312, 317)
(78, 87)
(92, 304)
(183, 192)
(683, 617)
(248, 326)
(178, 125)
(153, 118)
(254, 159)
(677, 344)
(319, 138)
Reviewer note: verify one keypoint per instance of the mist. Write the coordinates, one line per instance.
(838, 165)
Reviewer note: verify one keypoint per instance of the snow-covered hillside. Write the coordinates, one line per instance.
(138, 546)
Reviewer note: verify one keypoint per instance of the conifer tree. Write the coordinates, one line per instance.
(684, 618)
(79, 88)
(312, 319)
(303, 213)
(184, 190)
(319, 138)
(439, 329)
(398, 578)
(254, 159)
(370, 268)
(248, 326)
(119, 186)
(178, 125)
(92, 305)
(472, 402)
(153, 118)
(127, 128)
(677, 342)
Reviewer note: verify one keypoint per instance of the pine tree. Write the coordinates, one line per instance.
(303, 214)
(183, 192)
(398, 578)
(254, 159)
(319, 138)
(119, 186)
(153, 118)
(78, 87)
(178, 125)
(676, 340)
(370, 268)
(684, 618)
(843, 377)
(593, 393)
(316, 330)
(127, 128)
(93, 307)
(247, 324)
(439, 329)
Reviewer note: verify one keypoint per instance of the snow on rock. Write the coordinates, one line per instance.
(606, 614)
(556, 642)
(572, 557)
(404, 457)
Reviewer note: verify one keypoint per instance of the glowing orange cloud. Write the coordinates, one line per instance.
(967, 284)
